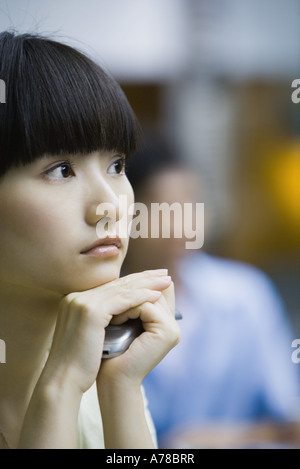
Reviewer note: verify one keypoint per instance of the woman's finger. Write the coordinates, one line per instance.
(120, 295)
(168, 297)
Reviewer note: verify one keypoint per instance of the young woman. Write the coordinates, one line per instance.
(66, 130)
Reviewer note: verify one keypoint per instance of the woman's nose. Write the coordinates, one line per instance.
(103, 202)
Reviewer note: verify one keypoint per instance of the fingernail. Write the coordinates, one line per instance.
(163, 272)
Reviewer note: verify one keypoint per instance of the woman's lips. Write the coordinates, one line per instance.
(103, 248)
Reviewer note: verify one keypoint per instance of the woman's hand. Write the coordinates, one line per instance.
(76, 351)
(161, 335)
(75, 357)
(119, 380)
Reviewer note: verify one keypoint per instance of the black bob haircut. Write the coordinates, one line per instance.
(58, 101)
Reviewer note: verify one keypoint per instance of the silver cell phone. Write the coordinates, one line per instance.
(118, 338)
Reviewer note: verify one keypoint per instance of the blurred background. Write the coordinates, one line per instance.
(213, 79)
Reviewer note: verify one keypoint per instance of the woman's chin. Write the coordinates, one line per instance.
(88, 283)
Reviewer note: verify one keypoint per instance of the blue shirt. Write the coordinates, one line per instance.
(233, 363)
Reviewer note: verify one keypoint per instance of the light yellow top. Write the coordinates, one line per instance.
(90, 430)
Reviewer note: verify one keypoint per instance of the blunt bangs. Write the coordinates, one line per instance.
(58, 101)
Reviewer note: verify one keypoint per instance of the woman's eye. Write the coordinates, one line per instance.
(117, 167)
(63, 171)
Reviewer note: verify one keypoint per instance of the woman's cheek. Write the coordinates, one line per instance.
(29, 216)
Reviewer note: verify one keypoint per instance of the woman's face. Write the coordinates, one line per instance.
(48, 221)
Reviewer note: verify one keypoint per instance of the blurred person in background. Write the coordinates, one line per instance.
(233, 365)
